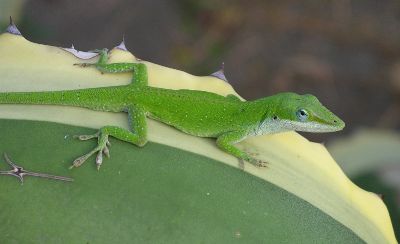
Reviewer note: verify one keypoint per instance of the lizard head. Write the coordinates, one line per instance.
(305, 113)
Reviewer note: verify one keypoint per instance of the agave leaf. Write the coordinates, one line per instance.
(371, 158)
(302, 168)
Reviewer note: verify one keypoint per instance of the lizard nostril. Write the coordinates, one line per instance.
(335, 121)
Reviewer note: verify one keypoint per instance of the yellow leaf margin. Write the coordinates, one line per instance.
(303, 168)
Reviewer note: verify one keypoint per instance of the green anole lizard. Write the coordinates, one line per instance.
(199, 113)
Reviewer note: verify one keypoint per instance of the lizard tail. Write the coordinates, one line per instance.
(37, 98)
(110, 99)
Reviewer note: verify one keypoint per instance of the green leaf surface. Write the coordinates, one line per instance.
(155, 194)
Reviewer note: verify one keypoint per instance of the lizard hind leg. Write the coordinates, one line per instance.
(139, 69)
(137, 136)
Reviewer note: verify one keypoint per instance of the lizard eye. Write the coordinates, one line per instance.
(302, 115)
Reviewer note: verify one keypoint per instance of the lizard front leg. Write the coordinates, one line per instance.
(137, 136)
(226, 142)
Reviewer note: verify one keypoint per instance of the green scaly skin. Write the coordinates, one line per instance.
(197, 113)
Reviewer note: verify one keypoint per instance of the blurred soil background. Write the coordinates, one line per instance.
(345, 52)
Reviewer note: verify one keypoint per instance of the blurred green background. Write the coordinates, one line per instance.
(345, 52)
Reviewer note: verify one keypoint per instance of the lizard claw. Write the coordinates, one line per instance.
(106, 152)
(78, 162)
(99, 159)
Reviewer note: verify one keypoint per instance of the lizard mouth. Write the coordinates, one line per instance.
(335, 125)
(315, 127)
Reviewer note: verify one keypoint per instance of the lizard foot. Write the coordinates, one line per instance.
(258, 163)
(252, 158)
(84, 64)
(102, 148)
